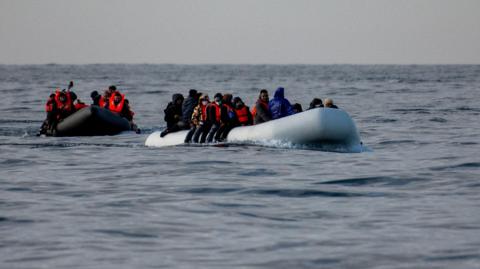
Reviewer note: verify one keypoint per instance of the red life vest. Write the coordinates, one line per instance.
(49, 105)
(204, 113)
(68, 105)
(262, 103)
(101, 101)
(80, 105)
(242, 115)
(116, 108)
(218, 111)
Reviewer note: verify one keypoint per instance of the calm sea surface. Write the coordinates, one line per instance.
(411, 201)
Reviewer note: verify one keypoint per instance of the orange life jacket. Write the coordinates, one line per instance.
(262, 103)
(79, 106)
(49, 104)
(242, 115)
(218, 110)
(204, 113)
(68, 105)
(116, 108)
(101, 102)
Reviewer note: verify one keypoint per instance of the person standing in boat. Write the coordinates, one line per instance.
(198, 132)
(173, 115)
(217, 116)
(243, 115)
(261, 112)
(279, 106)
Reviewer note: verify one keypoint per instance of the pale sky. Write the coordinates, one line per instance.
(240, 32)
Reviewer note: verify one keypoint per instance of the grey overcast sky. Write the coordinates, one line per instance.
(243, 31)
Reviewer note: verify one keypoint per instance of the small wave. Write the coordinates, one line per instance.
(438, 119)
(457, 166)
(304, 193)
(123, 233)
(363, 181)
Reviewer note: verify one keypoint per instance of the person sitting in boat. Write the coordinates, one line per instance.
(297, 108)
(217, 116)
(198, 132)
(173, 115)
(279, 106)
(188, 105)
(105, 98)
(231, 120)
(58, 107)
(243, 115)
(315, 103)
(329, 103)
(95, 98)
(261, 112)
(121, 106)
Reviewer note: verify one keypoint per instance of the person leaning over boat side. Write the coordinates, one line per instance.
(279, 106)
(315, 103)
(260, 111)
(200, 127)
(329, 103)
(173, 115)
(188, 105)
(244, 117)
(217, 115)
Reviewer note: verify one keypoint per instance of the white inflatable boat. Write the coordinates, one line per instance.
(328, 128)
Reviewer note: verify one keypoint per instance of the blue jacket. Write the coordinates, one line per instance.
(279, 106)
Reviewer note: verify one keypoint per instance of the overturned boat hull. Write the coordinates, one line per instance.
(91, 121)
(321, 127)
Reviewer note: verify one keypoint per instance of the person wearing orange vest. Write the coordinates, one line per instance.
(104, 100)
(261, 112)
(58, 107)
(200, 127)
(121, 106)
(243, 115)
(217, 116)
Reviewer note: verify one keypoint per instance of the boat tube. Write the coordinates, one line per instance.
(91, 121)
(328, 128)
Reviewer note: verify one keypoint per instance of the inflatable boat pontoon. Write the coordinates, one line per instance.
(332, 128)
(91, 121)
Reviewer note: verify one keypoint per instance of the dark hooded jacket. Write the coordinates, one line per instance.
(173, 112)
(187, 108)
(279, 106)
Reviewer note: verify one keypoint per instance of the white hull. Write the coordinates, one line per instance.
(316, 127)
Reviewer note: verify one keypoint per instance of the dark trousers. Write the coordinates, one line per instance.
(213, 132)
(201, 132)
(190, 134)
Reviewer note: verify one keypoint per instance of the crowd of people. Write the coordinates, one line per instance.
(63, 103)
(211, 120)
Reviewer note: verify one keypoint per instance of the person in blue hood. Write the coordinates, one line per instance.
(279, 106)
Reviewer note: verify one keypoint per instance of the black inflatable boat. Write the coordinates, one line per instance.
(91, 121)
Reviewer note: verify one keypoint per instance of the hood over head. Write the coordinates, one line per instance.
(176, 97)
(279, 93)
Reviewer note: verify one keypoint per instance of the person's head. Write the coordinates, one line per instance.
(218, 98)
(263, 95)
(227, 98)
(297, 108)
(316, 102)
(177, 99)
(328, 102)
(204, 100)
(279, 93)
(117, 98)
(112, 88)
(62, 97)
(238, 103)
(94, 95)
(192, 93)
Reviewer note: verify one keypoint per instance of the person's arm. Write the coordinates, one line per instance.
(289, 108)
(249, 116)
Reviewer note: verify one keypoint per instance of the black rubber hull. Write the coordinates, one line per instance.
(92, 121)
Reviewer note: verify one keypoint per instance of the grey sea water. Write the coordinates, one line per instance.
(411, 201)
